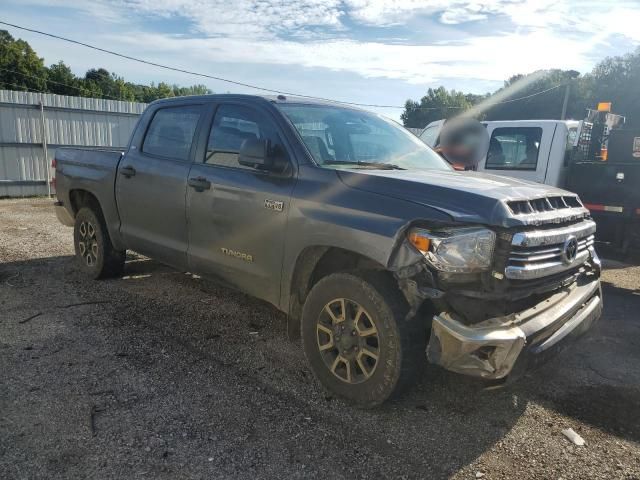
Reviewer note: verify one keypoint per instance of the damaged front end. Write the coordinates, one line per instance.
(484, 351)
(541, 289)
(508, 346)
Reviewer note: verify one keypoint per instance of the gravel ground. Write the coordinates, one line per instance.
(161, 374)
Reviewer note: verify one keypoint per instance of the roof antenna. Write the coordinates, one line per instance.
(281, 97)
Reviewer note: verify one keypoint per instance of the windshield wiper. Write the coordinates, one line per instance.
(375, 165)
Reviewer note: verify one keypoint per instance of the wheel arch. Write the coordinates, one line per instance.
(83, 197)
(315, 263)
(79, 198)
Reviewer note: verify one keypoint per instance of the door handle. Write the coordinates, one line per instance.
(199, 184)
(128, 171)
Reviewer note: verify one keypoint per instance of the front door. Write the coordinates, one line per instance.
(151, 186)
(237, 214)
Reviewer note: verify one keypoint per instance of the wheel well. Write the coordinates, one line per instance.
(82, 198)
(339, 260)
(313, 264)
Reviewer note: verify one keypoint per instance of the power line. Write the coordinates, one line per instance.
(175, 69)
(529, 96)
(248, 85)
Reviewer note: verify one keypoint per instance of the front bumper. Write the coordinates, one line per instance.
(507, 346)
(63, 215)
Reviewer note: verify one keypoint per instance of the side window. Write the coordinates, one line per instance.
(514, 148)
(429, 135)
(232, 125)
(171, 131)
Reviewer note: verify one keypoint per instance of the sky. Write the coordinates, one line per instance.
(375, 51)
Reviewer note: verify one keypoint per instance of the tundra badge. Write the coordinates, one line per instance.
(234, 253)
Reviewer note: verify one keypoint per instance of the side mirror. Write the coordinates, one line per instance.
(254, 152)
(258, 153)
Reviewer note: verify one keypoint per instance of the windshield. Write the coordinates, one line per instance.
(344, 138)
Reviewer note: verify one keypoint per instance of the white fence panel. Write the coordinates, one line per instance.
(68, 121)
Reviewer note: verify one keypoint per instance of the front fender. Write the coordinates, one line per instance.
(325, 212)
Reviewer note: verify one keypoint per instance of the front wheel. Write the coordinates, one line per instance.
(357, 339)
(94, 251)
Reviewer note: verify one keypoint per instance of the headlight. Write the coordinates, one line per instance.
(455, 250)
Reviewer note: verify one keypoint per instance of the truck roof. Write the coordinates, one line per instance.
(277, 99)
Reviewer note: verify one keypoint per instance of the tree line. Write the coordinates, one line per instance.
(22, 69)
(614, 79)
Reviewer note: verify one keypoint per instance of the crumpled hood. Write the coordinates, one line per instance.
(470, 197)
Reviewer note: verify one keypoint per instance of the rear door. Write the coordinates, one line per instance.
(237, 214)
(519, 149)
(151, 184)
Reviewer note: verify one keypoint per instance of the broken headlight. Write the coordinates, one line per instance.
(455, 250)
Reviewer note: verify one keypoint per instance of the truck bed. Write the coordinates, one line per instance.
(92, 170)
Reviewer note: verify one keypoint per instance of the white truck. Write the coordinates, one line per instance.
(534, 150)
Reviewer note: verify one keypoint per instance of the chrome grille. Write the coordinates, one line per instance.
(539, 253)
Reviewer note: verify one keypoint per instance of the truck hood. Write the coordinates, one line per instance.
(468, 197)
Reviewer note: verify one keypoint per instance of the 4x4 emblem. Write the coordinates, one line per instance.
(570, 249)
(273, 205)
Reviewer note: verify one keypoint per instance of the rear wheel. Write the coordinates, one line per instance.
(94, 251)
(357, 340)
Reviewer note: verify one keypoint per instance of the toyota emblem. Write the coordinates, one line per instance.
(570, 250)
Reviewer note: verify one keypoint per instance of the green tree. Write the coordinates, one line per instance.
(90, 88)
(437, 104)
(102, 80)
(538, 105)
(20, 66)
(192, 90)
(61, 80)
(123, 90)
(615, 80)
(164, 90)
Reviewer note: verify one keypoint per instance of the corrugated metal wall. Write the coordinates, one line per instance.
(68, 121)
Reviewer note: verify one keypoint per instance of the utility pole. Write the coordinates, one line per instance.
(567, 91)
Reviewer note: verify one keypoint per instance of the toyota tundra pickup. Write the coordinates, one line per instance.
(374, 247)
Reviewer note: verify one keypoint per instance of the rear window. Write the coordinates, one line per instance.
(171, 132)
(514, 148)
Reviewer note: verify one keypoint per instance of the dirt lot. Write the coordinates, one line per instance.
(161, 374)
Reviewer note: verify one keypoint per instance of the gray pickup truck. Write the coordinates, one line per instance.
(374, 247)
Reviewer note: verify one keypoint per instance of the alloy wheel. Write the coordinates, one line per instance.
(88, 244)
(348, 341)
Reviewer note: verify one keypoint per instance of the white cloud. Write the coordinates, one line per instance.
(388, 12)
(318, 34)
(246, 18)
(454, 16)
(489, 58)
